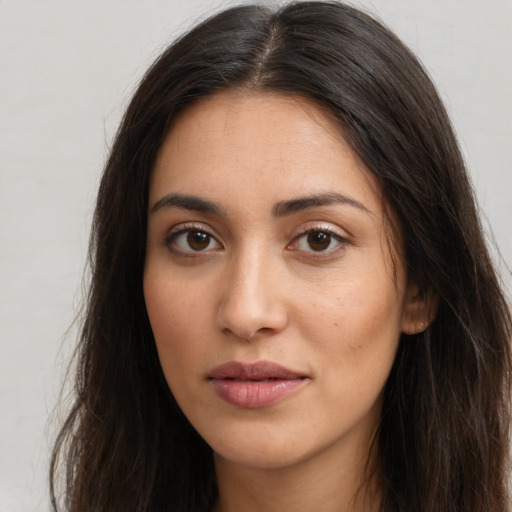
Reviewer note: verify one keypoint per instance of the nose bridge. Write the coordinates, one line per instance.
(251, 301)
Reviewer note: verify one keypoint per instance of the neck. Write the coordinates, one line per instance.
(329, 482)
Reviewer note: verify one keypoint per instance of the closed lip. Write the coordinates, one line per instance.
(259, 370)
(255, 385)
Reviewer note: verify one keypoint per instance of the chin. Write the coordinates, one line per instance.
(259, 448)
(259, 457)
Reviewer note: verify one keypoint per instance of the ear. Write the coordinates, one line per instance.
(420, 309)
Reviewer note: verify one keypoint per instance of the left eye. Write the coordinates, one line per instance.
(193, 240)
(318, 241)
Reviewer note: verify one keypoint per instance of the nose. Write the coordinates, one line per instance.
(252, 301)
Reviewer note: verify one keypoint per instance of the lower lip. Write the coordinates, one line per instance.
(248, 394)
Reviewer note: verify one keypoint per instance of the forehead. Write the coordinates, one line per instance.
(280, 145)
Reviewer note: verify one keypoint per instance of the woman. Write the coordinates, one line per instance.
(292, 306)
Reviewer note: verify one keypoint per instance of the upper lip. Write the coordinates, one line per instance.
(259, 370)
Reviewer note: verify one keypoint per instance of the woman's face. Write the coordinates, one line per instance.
(274, 299)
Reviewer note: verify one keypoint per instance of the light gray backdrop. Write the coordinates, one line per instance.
(67, 69)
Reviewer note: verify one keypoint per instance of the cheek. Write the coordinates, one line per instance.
(354, 330)
(172, 305)
(174, 319)
(356, 309)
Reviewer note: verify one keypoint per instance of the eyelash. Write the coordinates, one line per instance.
(171, 238)
(333, 236)
(183, 229)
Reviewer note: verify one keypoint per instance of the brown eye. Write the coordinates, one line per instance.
(190, 240)
(319, 240)
(198, 240)
(322, 241)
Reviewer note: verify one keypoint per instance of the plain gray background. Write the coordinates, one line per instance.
(67, 69)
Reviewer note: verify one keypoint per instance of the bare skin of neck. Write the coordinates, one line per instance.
(335, 480)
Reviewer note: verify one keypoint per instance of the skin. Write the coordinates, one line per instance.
(257, 287)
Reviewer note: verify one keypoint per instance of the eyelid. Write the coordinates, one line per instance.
(325, 228)
(322, 226)
(311, 227)
(179, 229)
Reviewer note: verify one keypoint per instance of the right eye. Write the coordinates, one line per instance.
(192, 240)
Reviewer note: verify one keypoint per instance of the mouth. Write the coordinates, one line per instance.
(255, 385)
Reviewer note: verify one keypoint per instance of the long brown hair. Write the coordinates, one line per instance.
(444, 434)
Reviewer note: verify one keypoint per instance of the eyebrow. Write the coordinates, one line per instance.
(284, 208)
(280, 209)
(188, 202)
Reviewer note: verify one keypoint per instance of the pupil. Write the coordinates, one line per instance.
(198, 240)
(319, 241)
